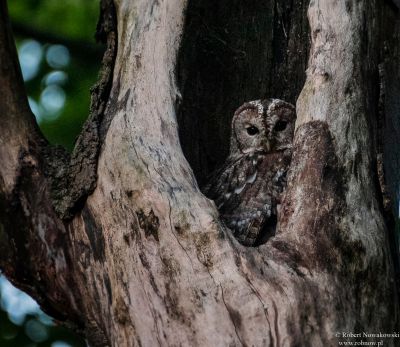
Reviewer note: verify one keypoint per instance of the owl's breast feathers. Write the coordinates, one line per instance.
(247, 190)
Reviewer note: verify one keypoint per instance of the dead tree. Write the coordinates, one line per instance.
(117, 241)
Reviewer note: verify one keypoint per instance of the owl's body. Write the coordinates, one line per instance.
(247, 189)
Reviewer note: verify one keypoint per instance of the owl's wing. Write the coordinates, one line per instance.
(231, 179)
(235, 188)
(247, 192)
(251, 217)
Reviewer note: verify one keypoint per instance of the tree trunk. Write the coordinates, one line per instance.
(120, 242)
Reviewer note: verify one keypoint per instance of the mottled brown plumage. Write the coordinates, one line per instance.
(247, 188)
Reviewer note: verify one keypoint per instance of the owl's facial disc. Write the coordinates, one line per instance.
(266, 145)
(281, 127)
(262, 126)
(258, 141)
(249, 130)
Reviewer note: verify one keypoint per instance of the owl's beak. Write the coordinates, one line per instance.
(267, 145)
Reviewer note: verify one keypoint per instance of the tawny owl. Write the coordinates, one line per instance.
(247, 188)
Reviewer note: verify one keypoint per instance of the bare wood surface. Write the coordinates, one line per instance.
(145, 260)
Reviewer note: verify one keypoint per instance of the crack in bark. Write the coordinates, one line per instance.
(146, 165)
(146, 265)
(231, 316)
(176, 238)
(258, 296)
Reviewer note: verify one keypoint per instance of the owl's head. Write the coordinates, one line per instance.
(263, 126)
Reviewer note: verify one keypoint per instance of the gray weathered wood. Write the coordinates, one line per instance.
(145, 261)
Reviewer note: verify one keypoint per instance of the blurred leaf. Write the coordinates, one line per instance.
(70, 18)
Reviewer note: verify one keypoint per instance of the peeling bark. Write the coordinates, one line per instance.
(144, 260)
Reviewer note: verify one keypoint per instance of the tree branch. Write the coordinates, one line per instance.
(29, 228)
(41, 185)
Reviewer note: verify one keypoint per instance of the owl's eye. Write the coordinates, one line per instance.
(280, 125)
(252, 130)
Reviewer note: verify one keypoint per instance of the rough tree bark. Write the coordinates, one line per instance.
(116, 239)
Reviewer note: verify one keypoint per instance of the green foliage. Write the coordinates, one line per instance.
(74, 23)
(67, 18)
(64, 127)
